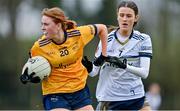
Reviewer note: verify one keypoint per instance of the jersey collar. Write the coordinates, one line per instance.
(65, 35)
(122, 43)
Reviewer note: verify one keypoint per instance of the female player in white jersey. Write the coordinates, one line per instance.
(120, 86)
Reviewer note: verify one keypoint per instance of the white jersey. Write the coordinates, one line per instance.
(116, 84)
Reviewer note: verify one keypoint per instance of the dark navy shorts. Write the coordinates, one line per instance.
(134, 104)
(71, 101)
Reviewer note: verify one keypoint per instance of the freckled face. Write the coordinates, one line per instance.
(49, 28)
(126, 18)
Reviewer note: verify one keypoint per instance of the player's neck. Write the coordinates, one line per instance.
(125, 33)
(60, 38)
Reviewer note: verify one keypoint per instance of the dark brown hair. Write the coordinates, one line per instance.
(129, 4)
(111, 28)
(124, 3)
(59, 17)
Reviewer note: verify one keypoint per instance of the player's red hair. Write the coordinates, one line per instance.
(59, 17)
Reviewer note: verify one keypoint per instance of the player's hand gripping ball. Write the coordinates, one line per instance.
(36, 69)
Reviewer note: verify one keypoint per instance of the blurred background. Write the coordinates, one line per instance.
(20, 22)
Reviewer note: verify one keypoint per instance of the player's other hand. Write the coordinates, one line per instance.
(35, 79)
(99, 61)
(25, 77)
(88, 64)
(117, 62)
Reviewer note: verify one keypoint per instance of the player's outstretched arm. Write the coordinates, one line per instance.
(102, 33)
(141, 71)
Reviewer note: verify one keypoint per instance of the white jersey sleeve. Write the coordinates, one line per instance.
(94, 71)
(145, 54)
(146, 47)
(143, 70)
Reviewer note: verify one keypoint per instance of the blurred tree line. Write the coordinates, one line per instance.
(164, 66)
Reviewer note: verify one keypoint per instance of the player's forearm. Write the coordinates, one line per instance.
(143, 70)
(102, 32)
(94, 71)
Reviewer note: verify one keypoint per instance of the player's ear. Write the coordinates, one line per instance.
(59, 26)
(136, 18)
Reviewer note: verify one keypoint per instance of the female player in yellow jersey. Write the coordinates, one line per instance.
(62, 45)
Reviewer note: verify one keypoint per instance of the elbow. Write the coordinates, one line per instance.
(94, 71)
(101, 28)
(92, 74)
(145, 75)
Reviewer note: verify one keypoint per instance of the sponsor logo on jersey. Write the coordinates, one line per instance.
(146, 47)
(63, 66)
(75, 46)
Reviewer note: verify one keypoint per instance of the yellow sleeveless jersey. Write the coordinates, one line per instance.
(68, 74)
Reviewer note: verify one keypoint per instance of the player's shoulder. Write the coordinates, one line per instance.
(88, 27)
(112, 33)
(140, 36)
(83, 27)
(42, 41)
(73, 32)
